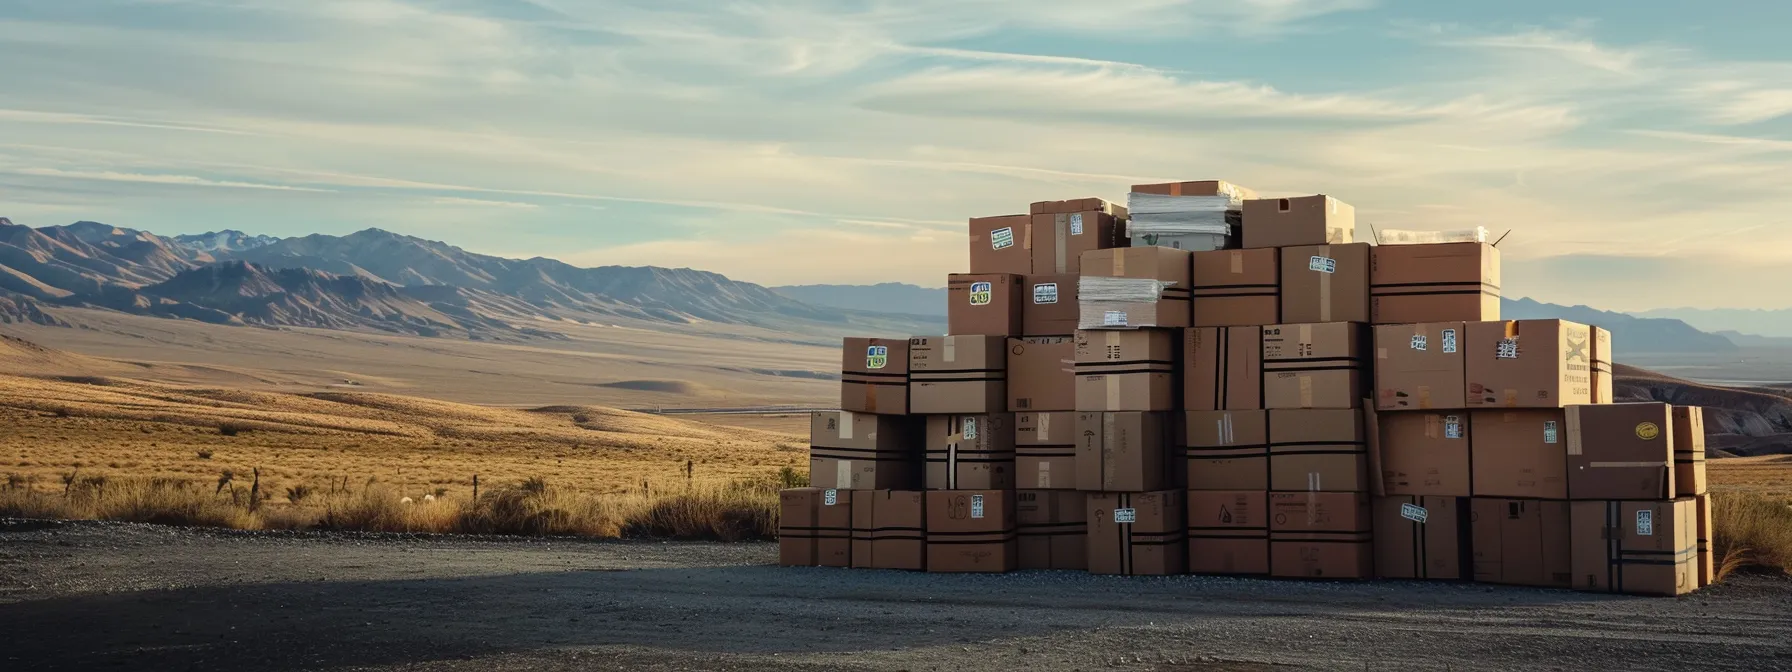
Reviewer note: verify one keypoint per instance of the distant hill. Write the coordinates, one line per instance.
(228, 240)
(1770, 323)
(889, 297)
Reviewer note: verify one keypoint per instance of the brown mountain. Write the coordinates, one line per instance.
(1741, 421)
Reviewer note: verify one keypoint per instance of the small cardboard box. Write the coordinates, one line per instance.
(1227, 450)
(1522, 542)
(1126, 370)
(1054, 529)
(1315, 365)
(1237, 288)
(1321, 535)
(1051, 307)
(874, 375)
(1124, 451)
(1042, 374)
(984, 304)
(1323, 450)
(1529, 364)
(1420, 367)
(1425, 453)
(970, 452)
(1102, 304)
(958, 374)
(1066, 230)
(1306, 220)
(861, 451)
(1636, 548)
(1228, 532)
(1423, 538)
(1002, 244)
(1045, 451)
(1222, 368)
(1435, 282)
(1621, 451)
(1325, 283)
(1138, 534)
(972, 531)
(1520, 453)
(1689, 452)
(889, 529)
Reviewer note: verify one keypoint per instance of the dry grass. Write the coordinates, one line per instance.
(1751, 531)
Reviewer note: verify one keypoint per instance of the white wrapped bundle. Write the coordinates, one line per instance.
(1399, 237)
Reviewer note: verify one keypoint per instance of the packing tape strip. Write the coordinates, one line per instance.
(1045, 427)
(1062, 224)
(1026, 240)
(845, 423)
(1512, 329)
(1045, 475)
(1175, 188)
(1381, 353)
(1511, 398)
(1325, 291)
(870, 398)
(1237, 262)
(951, 349)
(1424, 396)
(1312, 499)
(1119, 262)
(1598, 465)
(1306, 336)
(1108, 430)
(1574, 445)
(843, 475)
(1433, 427)
(1306, 391)
(1113, 391)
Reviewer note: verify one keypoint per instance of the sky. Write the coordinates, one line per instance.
(1639, 153)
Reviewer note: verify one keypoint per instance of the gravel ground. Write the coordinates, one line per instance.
(88, 596)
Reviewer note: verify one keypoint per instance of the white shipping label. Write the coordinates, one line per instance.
(1645, 523)
(1322, 264)
(1452, 427)
(1001, 238)
(1508, 348)
(1550, 435)
(970, 429)
(843, 474)
(976, 506)
(1045, 292)
(1416, 514)
(1419, 342)
(1449, 341)
(981, 293)
(1076, 224)
(1114, 318)
(877, 356)
(1126, 515)
(830, 497)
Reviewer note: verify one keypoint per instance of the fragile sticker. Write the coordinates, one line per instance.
(1550, 434)
(1002, 238)
(1045, 293)
(1449, 337)
(830, 497)
(1322, 264)
(1416, 514)
(1508, 349)
(1453, 427)
(1645, 523)
(970, 429)
(1114, 318)
(982, 293)
(1076, 224)
(1648, 431)
(877, 356)
(1419, 342)
(976, 506)
(1126, 515)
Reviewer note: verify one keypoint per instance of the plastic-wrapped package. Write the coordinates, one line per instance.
(1194, 223)
(1119, 303)
(1399, 237)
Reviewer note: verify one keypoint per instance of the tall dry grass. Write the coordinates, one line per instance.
(1751, 531)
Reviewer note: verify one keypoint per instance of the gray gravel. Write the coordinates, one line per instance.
(89, 596)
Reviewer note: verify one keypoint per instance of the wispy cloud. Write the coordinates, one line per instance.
(145, 178)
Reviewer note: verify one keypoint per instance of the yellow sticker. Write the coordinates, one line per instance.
(1647, 431)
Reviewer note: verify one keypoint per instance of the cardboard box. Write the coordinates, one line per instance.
(972, 531)
(1602, 366)
(1423, 538)
(1045, 451)
(1420, 366)
(1125, 370)
(1236, 288)
(1228, 532)
(1051, 305)
(1522, 542)
(970, 452)
(1142, 534)
(1425, 454)
(1689, 451)
(1318, 450)
(1325, 283)
(1075, 205)
(1054, 529)
(889, 529)
(1123, 451)
(1222, 368)
(1520, 453)
(1307, 220)
(1002, 244)
(833, 531)
(861, 451)
(986, 304)
(1315, 365)
(874, 375)
(1528, 364)
(1061, 239)
(957, 374)
(1321, 535)
(1621, 451)
(1636, 548)
(1198, 188)
(1133, 287)
(1227, 450)
(1439, 282)
(1042, 373)
(799, 523)
(1707, 562)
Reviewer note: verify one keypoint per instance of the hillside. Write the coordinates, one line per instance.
(1754, 322)
(1739, 421)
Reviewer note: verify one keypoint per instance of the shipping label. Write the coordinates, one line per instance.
(1645, 523)
(1508, 348)
(1045, 293)
(1076, 224)
(976, 506)
(982, 293)
(877, 356)
(1452, 427)
(1001, 238)
(1449, 336)
(1114, 318)
(1322, 264)
(1126, 516)
(1419, 342)
(1550, 434)
(970, 429)
(1416, 514)
(830, 497)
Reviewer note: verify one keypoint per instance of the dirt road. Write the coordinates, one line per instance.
(130, 597)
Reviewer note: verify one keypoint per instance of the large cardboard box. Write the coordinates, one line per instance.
(1423, 538)
(1051, 305)
(970, 452)
(889, 529)
(1002, 244)
(1440, 282)
(799, 523)
(957, 374)
(1520, 453)
(1689, 451)
(1636, 548)
(984, 304)
(1707, 561)
(1528, 364)
(1420, 366)
(1306, 220)
(1425, 454)
(972, 531)
(1522, 542)
(1621, 451)
(1321, 535)
(1323, 450)
(1123, 451)
(862, 451)
(1237, 288)
(1197, 188)
(1602, 366)
(1075, 205)
(1062, 235)
(1126, 370)
(1222, 368)
(874, 375)
(1138, 534)
(1133, 287)
(1315, 365)
(1228, 532)
(1045, 451)
(1226, 450)
(1054, 529)
(1325, 283)
(1042, 373)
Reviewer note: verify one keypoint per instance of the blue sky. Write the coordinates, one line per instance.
(1640, 152)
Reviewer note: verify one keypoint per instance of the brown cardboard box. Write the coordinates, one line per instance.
(1051, 305)
(1689, 451)
(889, 529)
(1222, 368)
(1076, 205)
(972, 531)
(1520, 453)
(1054, 529)
(1321, 535)
(1528, 364)
(1060, 239)
(987, 304)
(1227, 450)
(1426, 454)
(1042, 373)
(1002, 244)
(1522, 542)
(1707, 562)
(1636, 548)
(1196, 188)
(1045, 451)
(1621, 451)
(1115, 290)
(799, 523)
(1602, 366)
(1420, 366)
(1125, 370)
(1325, 283)
(1423, 538)
(1237, 288)
(1307, 220)
(1315, 365)
(1123, 451)
(957, 374)
(1441, 282)
(833, 529)
(1322, 450)
(970, 452)
(861, 451)
(1138, 534)
(874, 375)
(1228, 532)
